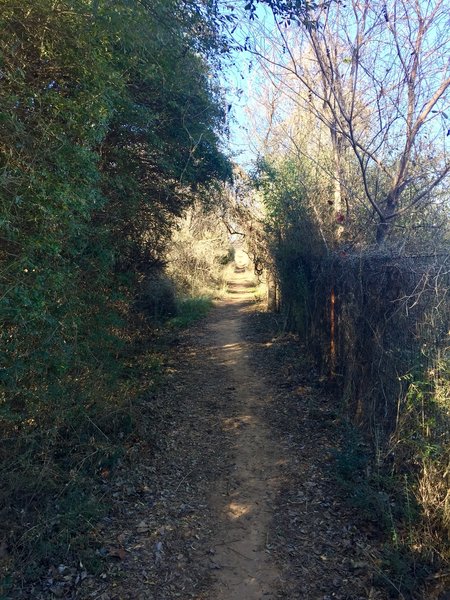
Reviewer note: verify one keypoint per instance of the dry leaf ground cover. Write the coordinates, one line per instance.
(231, 493)
(329, 539)
(324, 548)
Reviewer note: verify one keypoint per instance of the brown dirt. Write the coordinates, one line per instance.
(243, 500)
(232, 498)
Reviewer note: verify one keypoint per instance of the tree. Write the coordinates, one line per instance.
(111, 127)
(376, 75)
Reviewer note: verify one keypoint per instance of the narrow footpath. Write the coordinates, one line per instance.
(244, 499)
(231, 496)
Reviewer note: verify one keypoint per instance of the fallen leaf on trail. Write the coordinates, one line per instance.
(358, 564)
(158, 552)
(117, 553)
(142, 527)
(123, 536)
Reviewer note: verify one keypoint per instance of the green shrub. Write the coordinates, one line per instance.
(191, 310)
(158, 299)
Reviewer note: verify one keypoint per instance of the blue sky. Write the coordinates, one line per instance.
(242, 85)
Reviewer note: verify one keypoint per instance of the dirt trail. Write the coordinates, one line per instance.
(244, 498)
(227, 493)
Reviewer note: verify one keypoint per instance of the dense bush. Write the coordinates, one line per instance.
(110, 129)
(198, 253)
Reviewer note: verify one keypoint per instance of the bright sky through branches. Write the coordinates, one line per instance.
(248, 85)
(243, 85)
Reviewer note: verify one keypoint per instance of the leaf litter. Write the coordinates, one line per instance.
(160, 539)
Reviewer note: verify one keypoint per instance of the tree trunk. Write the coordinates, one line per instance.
(384, 227)
(337, 170)
(272, 293)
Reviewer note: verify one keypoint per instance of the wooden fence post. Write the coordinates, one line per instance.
(332, 334)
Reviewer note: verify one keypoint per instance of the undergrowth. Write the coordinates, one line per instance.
(388, 497)
(200, 255)
(386, 350)
(190, 310)
(53, 494)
